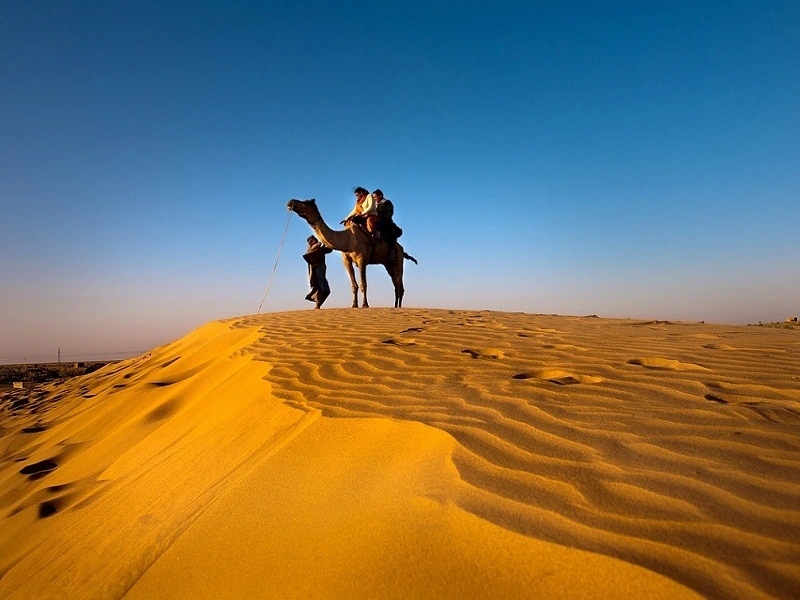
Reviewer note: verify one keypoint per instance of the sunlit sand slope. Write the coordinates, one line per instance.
(414, 452)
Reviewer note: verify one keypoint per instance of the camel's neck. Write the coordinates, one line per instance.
(338, 240)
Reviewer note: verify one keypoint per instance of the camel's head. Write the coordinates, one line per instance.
(307, 209)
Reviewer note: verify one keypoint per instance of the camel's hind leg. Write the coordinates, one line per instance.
(362, 268)
(395, 271)
(348, 265)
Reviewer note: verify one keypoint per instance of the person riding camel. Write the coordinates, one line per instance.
(365, 211)
(386, 225)
(383, 208)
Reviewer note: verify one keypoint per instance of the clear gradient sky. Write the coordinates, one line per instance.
(626, 159)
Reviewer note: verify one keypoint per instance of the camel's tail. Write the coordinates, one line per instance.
(409, 257)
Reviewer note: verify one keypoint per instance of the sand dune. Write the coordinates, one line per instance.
(413, 453)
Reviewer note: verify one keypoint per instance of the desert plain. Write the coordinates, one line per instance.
(413, 453)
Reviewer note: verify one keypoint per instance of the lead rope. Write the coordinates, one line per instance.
(275, 267)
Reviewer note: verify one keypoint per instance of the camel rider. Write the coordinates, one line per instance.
(386, 225)
(383, 206)
(366, 210)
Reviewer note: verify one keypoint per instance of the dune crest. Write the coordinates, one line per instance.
(138, 450)
(525, 453)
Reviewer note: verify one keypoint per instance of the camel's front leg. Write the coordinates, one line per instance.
(363, 273)
(348, 265)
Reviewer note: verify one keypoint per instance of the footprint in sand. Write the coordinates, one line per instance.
(718, 347)
(488, 353)
(55, 498)
(34, 429)
(480, 321)
(39, 469)
(559, 377)
(665, 364)
(567, 347)
(717, 399)
(49, 508)
(20, 403)
(406, 342)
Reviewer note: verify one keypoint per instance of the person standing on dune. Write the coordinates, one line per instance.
(317, 271)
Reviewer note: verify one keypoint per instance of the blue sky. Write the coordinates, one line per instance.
(624, 159)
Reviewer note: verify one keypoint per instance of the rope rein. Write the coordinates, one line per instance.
(275, 267)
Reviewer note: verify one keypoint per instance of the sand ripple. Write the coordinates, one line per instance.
(638, 440)
(673, 447)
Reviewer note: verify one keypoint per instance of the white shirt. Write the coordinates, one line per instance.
(368, 207)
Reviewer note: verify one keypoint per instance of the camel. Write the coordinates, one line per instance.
(356, 247)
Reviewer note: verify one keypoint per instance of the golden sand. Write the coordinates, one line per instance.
(413, 453)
